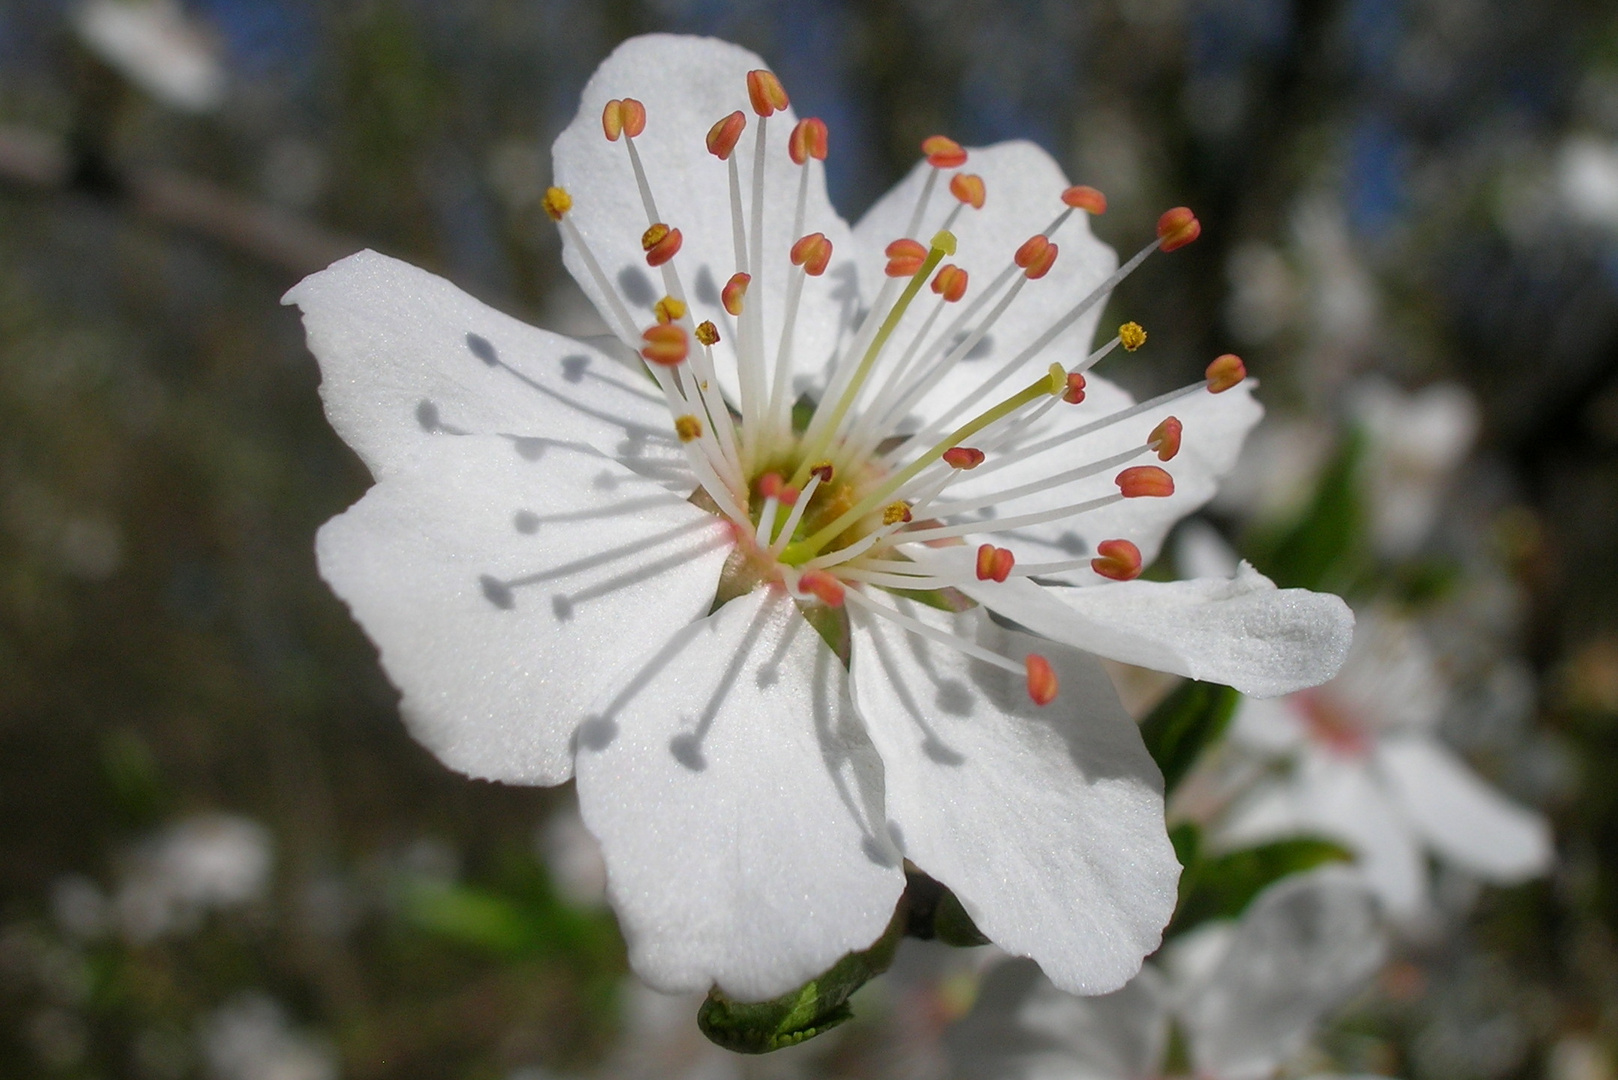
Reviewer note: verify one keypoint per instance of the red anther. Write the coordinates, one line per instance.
(1177, 228)
(736, 288)
(766, 93)
(812, 252)
(950, 282)
(660, 243)
(1119, 560)
(1086, 198)
(723, 135)
(1041, 679)
(1147, 481)
(808, 140)
(666, 344)
(943, 152)
(1036, 256)
(963, 457)
(770, 485)
(1075, 388)
(968, 188)
(1165, 438)
(905, 258)
(994, 563)
(612, 119)
(1225, 372)
(822, 469)
(823, 586)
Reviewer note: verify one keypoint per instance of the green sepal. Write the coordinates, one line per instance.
(812, 1009)
(1221, 887)
(1190, 719)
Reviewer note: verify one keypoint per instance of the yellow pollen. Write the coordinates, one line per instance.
(895, 512)
(687, 428)
(649, 239)
(707, 332)
(1131, 336)
(557, 202)
(670, 310)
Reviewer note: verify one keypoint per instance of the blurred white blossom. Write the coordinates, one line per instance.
(1414, 442)
(250, 1039)
(193, 866)
(154, 45)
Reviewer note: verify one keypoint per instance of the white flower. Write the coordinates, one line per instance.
(198, 864)
(1414, 442)
(1368, 769)
(569, 567)
(153, 45)
(1246, 996)
(250, 1039)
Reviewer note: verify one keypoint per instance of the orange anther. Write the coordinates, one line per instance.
(968, 188)
(634, 116)
(766, 93)
(1119, 560)
(905, 258)
(1147, 481)
(612, 119)
(822, 469)
(666, 344)
(668, 310)
(822, 586)
(1165, 438)
(963, 457)
(994, 563)
(660, 243)
(770, 485)
(723, 135)
(1036, 256)
(1177, 228)
(943, 152)
(895, 512)
(1086, 198)
(1041, 679)
(1225, 372)
(950, 282)
(808, 140)
(813, 253)
(707, 332)
(1075, 388)
(687, 428)
(736, 288)
(556, 203)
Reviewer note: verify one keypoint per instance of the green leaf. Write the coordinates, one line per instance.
(471, 916)
(1324, 547)
(1223, 886)
(812, 1009)
(1186, 722)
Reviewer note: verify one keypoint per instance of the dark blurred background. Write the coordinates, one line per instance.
(220, 853)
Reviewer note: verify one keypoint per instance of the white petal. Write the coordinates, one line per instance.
(1461, 817)
(1340, 799)
(1024, 1028)
(1269, 725)
(1304, 946)
(458, 570)
(1390, 680)
(1214, 425)
(1046, 822)
(406, 358)
(740, 807)
(686, 84)
(1244, 632)
(1024, 187)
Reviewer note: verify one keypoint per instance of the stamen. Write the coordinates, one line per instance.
(724, 135)
(808, 140)
(1131, 336)
(1036, 256)
(707, 333)
(1225, 372)
(626, 324)
(1044, 483)
(969, 189)
(557, 202)
(766, 93)
(994, 563)
(660, 243)
(734, 291)
(1165, 438)
(1118, 560)
(1074, 394)
(623, 117)
(813, 253)
(669, 310)
(1145, 481)
(1042, 684)
(963, 457)
(1088, 199)
(895, 513)
(666, 344)
(823, 586)
(995, 525)
(1177, 228)
(944, 637)
(817, 476)
(687, 428)
(904, 258)
(950, 283)
(943, 152)
(766, 522)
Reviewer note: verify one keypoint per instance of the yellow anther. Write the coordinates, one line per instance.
(708, 334)
(687, 428)
(669, 310)
(557, 202)
(1058, 375)
(895, 512)
(944, 241)
(1131, 336)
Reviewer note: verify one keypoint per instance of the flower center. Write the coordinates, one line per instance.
(839, 501)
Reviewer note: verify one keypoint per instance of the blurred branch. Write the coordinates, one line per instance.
(34, 160)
